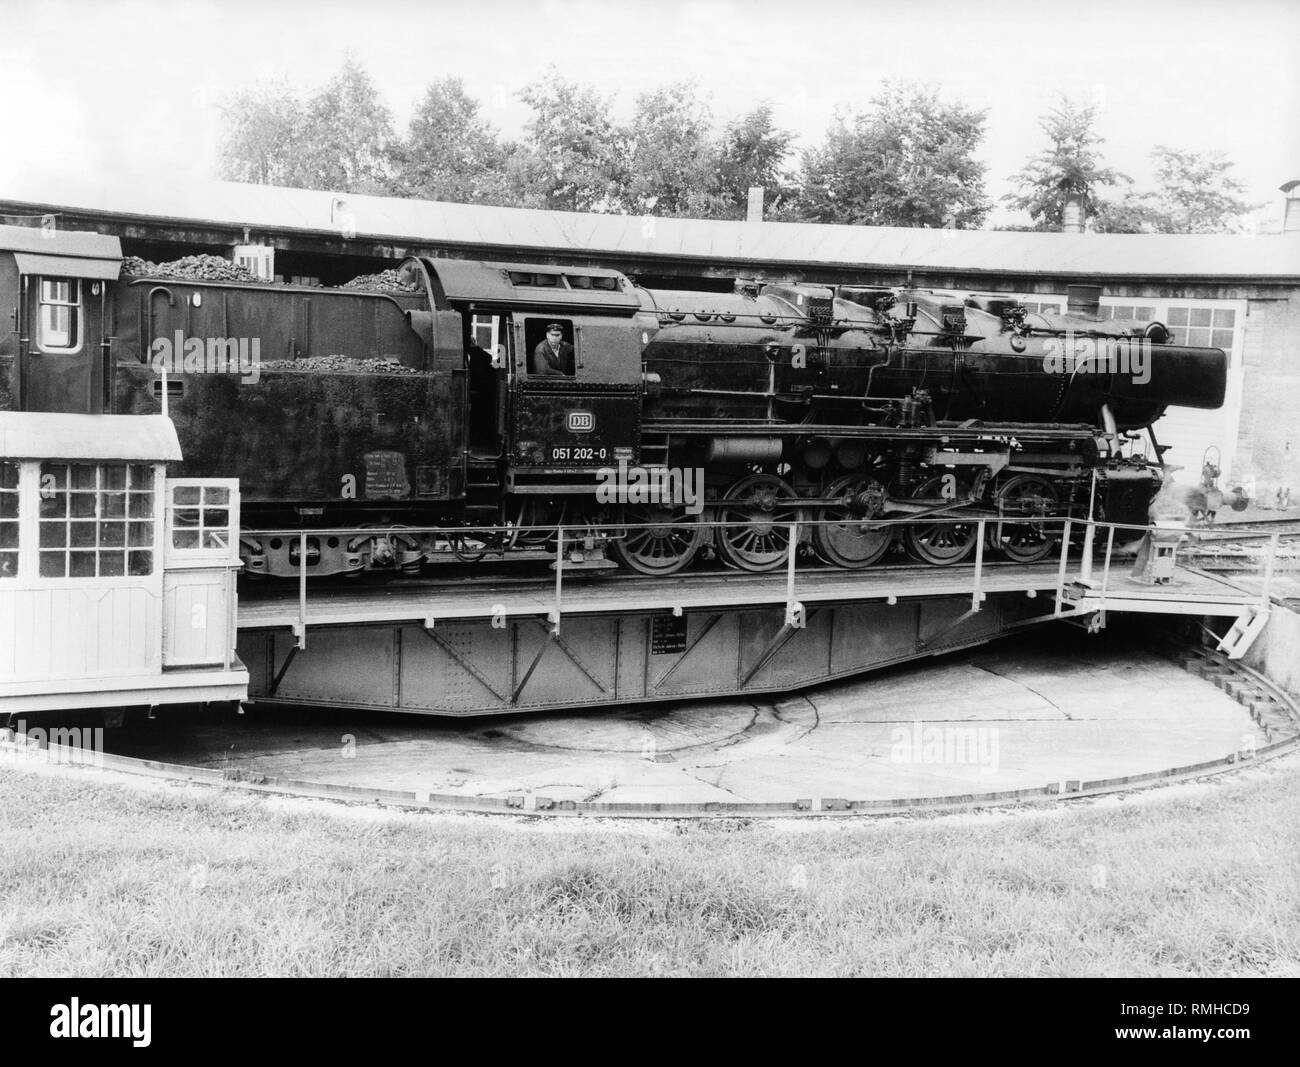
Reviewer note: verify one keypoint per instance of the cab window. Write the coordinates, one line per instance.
(551, 349)
(485, 331)
(58, 319)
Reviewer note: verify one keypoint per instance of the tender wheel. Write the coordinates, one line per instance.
(662, 548)
(760, 538)
(1030, 539)
(941, 543)
(847, 544)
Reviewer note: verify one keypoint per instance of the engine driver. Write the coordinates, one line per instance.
(554, 356)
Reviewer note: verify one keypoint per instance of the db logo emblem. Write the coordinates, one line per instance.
(581, 422)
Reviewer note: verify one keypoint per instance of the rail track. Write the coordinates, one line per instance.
(1242, 547)
(1265, 527)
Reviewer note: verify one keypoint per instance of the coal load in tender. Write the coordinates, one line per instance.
(215, 269)
(337, 365)
(188, 268)
(386, 281)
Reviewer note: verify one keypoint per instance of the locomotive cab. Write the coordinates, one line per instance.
(566, 425)
(554, 370)
(53, 358)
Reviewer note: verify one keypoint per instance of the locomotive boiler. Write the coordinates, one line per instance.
(501, 401)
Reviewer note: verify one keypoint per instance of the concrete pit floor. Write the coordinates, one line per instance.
(1025, 711)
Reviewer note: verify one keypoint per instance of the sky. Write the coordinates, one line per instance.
(126, 91)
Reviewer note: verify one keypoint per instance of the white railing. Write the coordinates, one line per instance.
(567, 537)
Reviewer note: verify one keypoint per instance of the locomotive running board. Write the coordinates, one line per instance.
(940, 434)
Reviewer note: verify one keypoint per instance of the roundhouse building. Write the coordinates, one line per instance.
(1238, 293)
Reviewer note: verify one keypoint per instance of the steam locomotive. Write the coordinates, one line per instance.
(677, 423)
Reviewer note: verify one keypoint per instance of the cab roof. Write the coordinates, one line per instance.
(62, 253)
(592, 289)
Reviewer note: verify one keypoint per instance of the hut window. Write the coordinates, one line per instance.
(8, 520)
(201, 516)
(96, 521)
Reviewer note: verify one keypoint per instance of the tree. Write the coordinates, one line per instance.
(450, 152)
(574, 155)
(262, 127)
(1135, 213)
(906, 161)
(347, 136)
(672, 161)
(754, 152)
(1197, 194)
(1071, 167)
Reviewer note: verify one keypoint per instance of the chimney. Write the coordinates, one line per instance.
(1072, 216)
(754, 209)
(1291, 214)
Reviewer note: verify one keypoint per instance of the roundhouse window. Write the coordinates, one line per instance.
(1209, 327)
(1140, 312)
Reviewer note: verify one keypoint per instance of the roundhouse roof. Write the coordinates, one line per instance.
(407, 224)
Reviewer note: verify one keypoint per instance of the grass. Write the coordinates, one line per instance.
(100, 878)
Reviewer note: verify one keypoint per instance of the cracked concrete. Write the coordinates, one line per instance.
(1044, 696)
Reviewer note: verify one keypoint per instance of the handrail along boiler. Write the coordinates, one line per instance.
(692, 423)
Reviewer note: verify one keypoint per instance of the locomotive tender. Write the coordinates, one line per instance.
(690, 423)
